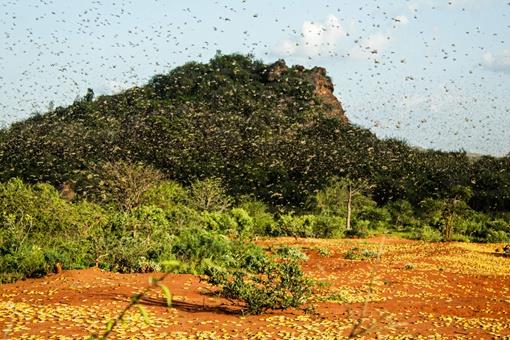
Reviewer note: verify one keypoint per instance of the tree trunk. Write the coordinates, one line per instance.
(448, 228)
(349, 209)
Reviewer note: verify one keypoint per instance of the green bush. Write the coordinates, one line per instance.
(132, 240)
(499, 225)
(165, 195)
(378, 218)
(360, 229)
(429, 234)
(193, 246)
(242, 271)
(460, 238)
(235, 223)
(402, 215)
(263, 221)
(197, 249)
(291, 253)
(497, 236)
(39, 210)
(470, 228)
(294, 225)
(328, 226)
(181, 216)
(29, 260)
(356, 253)
(121, 184)
(39, 229)
(321, 226)
(23, 262)
(278, 285)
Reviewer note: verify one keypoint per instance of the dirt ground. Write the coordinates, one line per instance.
(416, 289)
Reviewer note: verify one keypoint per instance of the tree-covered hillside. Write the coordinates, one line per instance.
(266, 130)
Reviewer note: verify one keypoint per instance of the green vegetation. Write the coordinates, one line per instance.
(171, 228)
(360, 254)
(268, 137)
(181, 174)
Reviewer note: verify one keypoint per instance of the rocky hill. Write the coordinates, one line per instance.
(273, 131)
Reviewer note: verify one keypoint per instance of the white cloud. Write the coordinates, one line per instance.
(316, 39)
(370, 47)
(328, 39)
(497, 63)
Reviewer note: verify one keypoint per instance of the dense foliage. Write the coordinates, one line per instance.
(179, 174)
(40, 232)
(269, 138)
(171, 230)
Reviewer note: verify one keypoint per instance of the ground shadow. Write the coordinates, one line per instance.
(193, 307)
(501, 254)
(187, 306)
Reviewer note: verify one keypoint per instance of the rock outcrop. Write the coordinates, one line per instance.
(324, 90)
(323, 86)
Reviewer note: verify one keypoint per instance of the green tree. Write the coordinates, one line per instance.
(341, 197)
(443, 211)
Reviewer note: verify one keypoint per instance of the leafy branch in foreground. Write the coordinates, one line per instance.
(135, 300)
(358, 330)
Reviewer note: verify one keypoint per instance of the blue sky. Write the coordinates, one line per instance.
(435, 73)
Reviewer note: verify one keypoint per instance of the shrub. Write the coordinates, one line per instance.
(25, 261)
(193, 246)
(402, 214)
(197, 249)
(291, 253)
(499, 225)
(323, 251)
(165, 195)
(263, 221)
(497, 236)
(130, 240)
(280, 285)
(457, 237)
(470, 228)
(29, 260)
(356, 253)
(292, 225)
(181, 216)
(359, 229)
(209, 195)
(235, 223)
(378, 218)
(250, 257)
(122, 184)
(429, 234)
(38, 211)
(328, 226)
(243, 221)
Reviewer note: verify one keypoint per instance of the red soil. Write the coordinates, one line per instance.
(444, 290)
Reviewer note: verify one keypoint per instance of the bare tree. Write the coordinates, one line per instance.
(354, 188)
(124, 183)
(340, 196)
